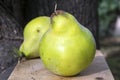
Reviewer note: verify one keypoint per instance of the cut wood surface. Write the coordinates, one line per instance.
(35, 70)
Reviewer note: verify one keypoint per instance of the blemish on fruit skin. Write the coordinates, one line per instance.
(49, 59)
(38, 30)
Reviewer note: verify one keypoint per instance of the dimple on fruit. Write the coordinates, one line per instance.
(33, 33)
(68, 47)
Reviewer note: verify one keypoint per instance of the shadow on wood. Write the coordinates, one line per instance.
(95, 67)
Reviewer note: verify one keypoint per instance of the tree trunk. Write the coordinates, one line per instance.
(84, 10)
(10, 38)
(16, 7)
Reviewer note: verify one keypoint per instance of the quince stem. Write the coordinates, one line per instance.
(55, 7)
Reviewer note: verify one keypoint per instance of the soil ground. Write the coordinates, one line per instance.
(111, 49)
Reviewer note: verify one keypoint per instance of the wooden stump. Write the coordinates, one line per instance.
(34, 70)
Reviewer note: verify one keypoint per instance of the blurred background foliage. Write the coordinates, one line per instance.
(109, 12)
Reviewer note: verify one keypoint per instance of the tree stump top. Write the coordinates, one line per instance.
(34, 70)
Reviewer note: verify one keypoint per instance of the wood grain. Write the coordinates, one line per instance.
(34, 70)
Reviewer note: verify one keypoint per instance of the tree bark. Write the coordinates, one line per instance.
(16, 7)
(85, 11)
(10, 38)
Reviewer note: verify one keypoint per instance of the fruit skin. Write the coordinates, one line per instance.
(33, 33)
(68, 47)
